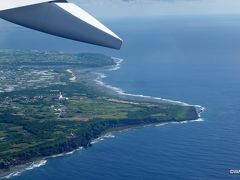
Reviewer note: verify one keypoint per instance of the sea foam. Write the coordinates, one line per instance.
(101, 138)
(99, 81)
(32, 166)
(37, 164)
(182, 122)
(101, 76)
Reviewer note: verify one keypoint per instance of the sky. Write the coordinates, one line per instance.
(132, 8)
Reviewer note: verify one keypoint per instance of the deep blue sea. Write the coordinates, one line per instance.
(190, 59)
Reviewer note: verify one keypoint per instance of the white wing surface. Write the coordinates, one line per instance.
(59, 18)
(11, 4)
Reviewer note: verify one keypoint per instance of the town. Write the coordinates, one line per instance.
(46, 110)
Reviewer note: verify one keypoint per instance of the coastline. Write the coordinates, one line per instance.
(96, 81)
(99, 80)
(39, 162)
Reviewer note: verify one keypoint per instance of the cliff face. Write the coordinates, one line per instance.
(49, 114)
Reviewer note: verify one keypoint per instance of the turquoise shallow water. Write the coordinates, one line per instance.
(195, 60)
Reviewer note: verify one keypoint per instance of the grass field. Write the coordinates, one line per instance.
(36, 122)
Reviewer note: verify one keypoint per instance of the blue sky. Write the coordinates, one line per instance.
(122, 8)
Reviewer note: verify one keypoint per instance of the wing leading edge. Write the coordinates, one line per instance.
(59, 18)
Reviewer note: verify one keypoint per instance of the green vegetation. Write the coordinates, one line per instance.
(39, 122)
(10, 57)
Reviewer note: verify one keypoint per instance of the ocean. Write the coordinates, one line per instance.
(190, 59)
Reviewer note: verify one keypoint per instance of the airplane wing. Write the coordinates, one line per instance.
(11, 4)
(59, 18)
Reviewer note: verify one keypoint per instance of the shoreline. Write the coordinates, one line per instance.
(39, 162)
(95, 79)
(116, 91)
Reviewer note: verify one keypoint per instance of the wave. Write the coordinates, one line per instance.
(32, 166)
(109, 135)
(118, 62)
(37, 164)
(101, 138)
(182, 122)
(64, 154)
(99, 81)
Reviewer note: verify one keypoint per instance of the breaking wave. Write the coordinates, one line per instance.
(99, 81)
(33, 165)
(64, 154)
(182, 122)
(101, 138)
(37, 164)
